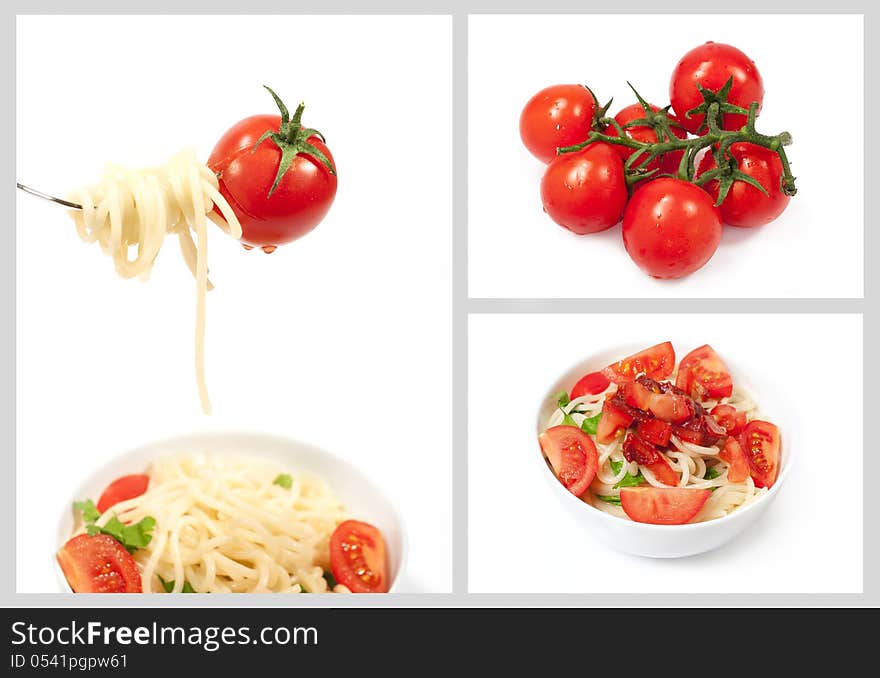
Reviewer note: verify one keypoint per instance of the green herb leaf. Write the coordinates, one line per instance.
(591, 424)
(132, 537)
(89, 512)
(169, 586)
(628, 480)
(330, 579)
(609, 499)
(712, 472)
(568, 420)
(284, 480)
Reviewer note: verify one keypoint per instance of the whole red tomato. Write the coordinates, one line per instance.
(278, 177)
(711, 65)
(585, 191)
(745, 205)
(667, 163)
(560, 115)
(671, 228)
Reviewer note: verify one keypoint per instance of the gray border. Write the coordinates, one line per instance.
(462, 307)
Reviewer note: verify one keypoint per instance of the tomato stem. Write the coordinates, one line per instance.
(714, 106)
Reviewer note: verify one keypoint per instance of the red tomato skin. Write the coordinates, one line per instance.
(761, 443)
(745, 206)
(738, 464)
(662, 506)
(585, 191)
(122, 489)
(667, 163)
(573, 456)
(300, 201)
(710, 65)
(557, 116)
(370, 552)
(664, 472)
(589, 384)
(671, 228)
(98, 564)
(612, 423)
(730, 418)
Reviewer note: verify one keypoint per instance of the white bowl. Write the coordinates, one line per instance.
(667, 541)
(362, 498)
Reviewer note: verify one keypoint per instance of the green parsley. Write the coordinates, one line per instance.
(562, 399)
(628, 480)
(132, 537)
(591, 424)
(712, 472)
(169, 586)
(284, 480)
(89, 512)
(609, 499)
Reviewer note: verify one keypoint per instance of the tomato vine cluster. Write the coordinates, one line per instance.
(674, 175)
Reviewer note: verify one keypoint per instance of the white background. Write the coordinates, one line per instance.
(810, 538)
(812, 69)
(329, 340)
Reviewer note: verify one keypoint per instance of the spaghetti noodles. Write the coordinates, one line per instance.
(136, 209)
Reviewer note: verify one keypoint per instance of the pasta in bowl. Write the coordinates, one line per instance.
(229, 513)
(660, 457)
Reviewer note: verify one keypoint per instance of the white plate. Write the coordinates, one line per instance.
(363, 500)
(669, 541)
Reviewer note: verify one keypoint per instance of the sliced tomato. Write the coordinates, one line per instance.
(573, 456)
(737, 462)
(656, 362)
(703, 374)
(761, 444)
(662, 505)
(664, 472)
(637, 450)
(357, 557)
(730, 418)
(613, 422)
(123, 489)
(668, 406)
(590, 384)
(98, 564)
(654, 431)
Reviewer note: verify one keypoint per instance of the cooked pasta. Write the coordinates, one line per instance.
(136, 209)
(224, 525)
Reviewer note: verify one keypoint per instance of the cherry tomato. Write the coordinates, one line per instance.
(357, 557)
(730, 418)
(761, 443)
(662, 505)
(123, 489)
(656, 362)
(703, 374)
(745, 206)
(737, 462)
(585, 191)
(613, 422)
(667, 163)
(671, 228)
(711, 65)
(560, 115)
(573, 456)
(590, 384)
(271, 214)
(98, 564)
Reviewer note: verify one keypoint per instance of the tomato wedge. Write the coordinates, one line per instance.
(123, 489)
(703, 374)
(612, 423)
(98, 564)
(656, 362)
(760, 442)
(737, 462)
(664, 472)
(590, 384)
(573, 456)
(662, 505)
(357, 557)
(668, 406)
(730, 418)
